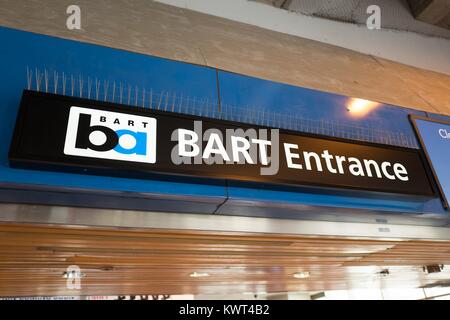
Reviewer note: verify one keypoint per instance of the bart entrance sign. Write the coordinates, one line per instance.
(64, 133)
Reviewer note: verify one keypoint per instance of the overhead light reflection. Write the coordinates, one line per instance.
(301, 275)
(360, 107)
(199, 274)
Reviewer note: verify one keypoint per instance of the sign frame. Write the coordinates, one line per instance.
(18, 160)
(413, 118)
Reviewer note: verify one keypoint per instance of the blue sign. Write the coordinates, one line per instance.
(434, 136)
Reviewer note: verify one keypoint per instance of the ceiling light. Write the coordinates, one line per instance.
(384, 272)
(360, 107)
(301, 275)
(433, 268)
(73, 275)
(255, 293)
(199, 274)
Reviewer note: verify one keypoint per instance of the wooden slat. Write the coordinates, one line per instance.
(126, 261)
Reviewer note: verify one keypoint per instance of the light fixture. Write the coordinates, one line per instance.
(301, 275)
(73, 275)
(360, 107)
(383, 273)
(258, 293)
(199, 274)
(435, 268)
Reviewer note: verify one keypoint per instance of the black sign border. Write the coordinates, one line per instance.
(16, 159)
(413, 118)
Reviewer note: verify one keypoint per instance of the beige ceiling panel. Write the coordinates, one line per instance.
(297, 61)
(155, 29)
(139, 26)
(432, 87)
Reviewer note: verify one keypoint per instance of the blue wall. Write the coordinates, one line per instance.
(317, 112)
(192, 89)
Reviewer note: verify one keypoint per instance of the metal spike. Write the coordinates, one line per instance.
(129, 94)
(200, 110)
(89, 87)
(188, 101)
(180, 105)
(136, 95)
(151, 98)
(173, 101)
(97, 88)
(114, 91)
(55, 81)
(105, 89)
(46, 79)
(29, 78)
(81, 85)
(167, 101)
(160, 100)
(38, 80)
(194, 102)
(120, 92)
(72, 84)
(64, 82)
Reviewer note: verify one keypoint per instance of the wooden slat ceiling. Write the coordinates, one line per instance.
(125, 261)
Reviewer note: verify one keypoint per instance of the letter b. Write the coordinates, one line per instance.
(84, 131)
(184, 143)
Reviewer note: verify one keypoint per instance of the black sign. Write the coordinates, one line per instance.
(64, 133)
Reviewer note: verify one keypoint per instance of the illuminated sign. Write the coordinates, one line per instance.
(77, 135)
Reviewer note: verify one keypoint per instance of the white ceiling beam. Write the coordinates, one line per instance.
(431, 53)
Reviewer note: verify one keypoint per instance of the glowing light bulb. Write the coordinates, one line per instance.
(360, 107)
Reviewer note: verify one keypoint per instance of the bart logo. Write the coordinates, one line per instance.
(110, 135)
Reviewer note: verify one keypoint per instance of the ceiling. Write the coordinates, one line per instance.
(395, 14)
(193, 37)
(126, 261)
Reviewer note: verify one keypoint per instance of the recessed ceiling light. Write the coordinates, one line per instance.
(73, 275)
(255, 293)
(383, 272)
(199, 274)
(301, 275)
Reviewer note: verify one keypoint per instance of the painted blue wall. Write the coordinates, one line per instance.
(312, 111)
(193, 90)
(24, 50)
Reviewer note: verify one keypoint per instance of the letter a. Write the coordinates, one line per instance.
(374, 20)
(74, 20)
